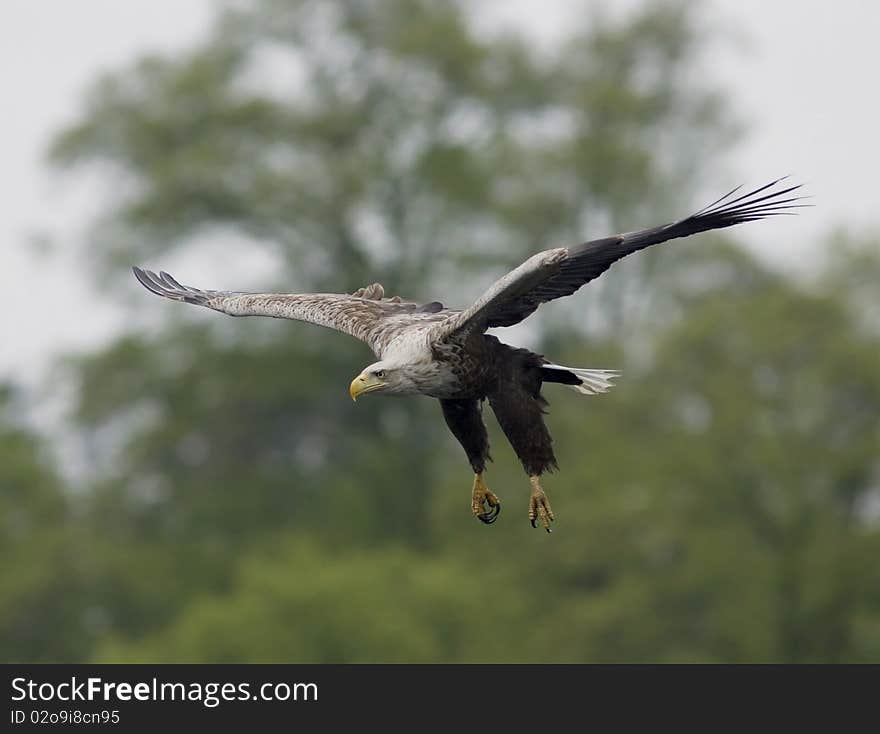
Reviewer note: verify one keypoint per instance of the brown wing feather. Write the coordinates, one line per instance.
(365, 315)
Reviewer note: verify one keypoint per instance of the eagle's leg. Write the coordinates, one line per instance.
(465, 420)
(539, 505)
(519, 408)
(484, 502)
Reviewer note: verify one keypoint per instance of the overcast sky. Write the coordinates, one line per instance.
(805, 82)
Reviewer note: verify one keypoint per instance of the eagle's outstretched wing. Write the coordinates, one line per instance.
(560, 272)
(366, 314)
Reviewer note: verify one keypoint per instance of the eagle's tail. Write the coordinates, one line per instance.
(584, 381)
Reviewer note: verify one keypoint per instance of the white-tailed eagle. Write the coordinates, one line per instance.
(444, 353)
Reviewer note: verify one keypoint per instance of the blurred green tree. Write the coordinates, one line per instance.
(355, 141)
(720, 506)
(717, 506)
(390, 138)
(41, 591)
(750, 477)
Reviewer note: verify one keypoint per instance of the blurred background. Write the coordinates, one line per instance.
(176, 486)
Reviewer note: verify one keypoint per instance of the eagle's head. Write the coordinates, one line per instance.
(389, 377)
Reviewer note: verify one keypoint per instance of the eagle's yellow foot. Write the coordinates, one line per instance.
(484, 503)
(539, 506)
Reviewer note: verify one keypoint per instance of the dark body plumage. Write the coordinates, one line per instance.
(511, 381)
(446, 354)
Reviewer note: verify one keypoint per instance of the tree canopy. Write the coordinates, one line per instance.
(720, 504)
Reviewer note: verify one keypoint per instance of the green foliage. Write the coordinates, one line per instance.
(394, 605)
(41, 591)
(712, 508)
(394, 138)
(719, 505)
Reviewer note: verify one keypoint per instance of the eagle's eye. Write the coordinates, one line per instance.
(380, 373)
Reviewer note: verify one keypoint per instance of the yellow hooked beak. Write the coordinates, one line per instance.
(364, 383)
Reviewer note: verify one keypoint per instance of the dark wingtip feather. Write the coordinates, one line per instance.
(144, 279)
(757, 204)
(165, 285)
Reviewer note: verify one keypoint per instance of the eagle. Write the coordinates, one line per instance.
(428, 349)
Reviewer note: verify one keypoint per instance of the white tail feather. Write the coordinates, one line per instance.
(592, 382)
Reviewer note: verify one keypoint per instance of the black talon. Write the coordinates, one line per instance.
(491, 515)
(534, 524)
